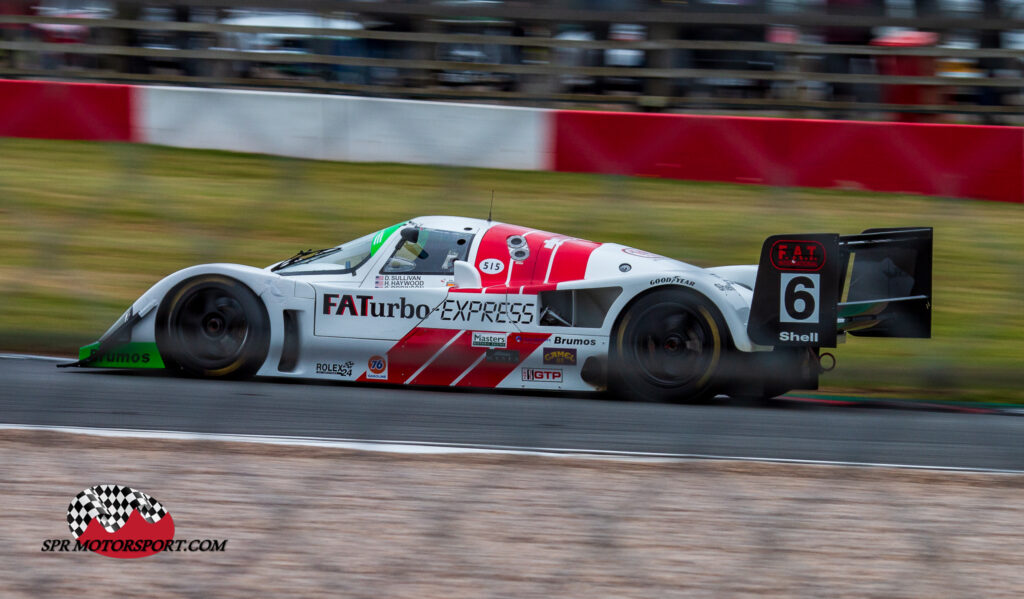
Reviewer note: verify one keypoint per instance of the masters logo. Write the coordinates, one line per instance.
(489, 340)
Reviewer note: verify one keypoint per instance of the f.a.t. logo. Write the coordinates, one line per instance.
(798, 254)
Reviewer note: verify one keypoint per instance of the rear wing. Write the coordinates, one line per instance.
(807, 293)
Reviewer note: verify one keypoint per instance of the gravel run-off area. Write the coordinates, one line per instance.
(319, 522)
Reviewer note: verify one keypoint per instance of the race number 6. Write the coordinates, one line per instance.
(798, 301)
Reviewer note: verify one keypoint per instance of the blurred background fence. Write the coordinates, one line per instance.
(910, 59)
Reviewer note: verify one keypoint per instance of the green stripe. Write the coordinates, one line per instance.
(382, 237)
(129, 355)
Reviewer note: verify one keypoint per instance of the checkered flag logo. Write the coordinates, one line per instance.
(113, 505)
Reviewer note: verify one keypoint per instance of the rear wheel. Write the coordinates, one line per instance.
(668, 347)
(213, 326)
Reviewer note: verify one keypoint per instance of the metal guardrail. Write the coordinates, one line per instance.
(522, 69)
(525, 41)
(657, 97)
(553, 11)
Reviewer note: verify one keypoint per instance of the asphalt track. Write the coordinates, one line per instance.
(34, 392)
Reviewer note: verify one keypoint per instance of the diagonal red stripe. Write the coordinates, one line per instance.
(451, 363)
(571, 260)
(490, 374)
(413, 351)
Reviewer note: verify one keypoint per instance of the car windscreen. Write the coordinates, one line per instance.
(337, 260)
(434, 253)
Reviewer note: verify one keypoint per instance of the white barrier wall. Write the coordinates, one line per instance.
(345, 128)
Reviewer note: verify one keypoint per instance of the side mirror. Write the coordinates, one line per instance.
(466, 276)
(410, 235)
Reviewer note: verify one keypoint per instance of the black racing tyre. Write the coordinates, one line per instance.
(668, 347)
(212, 326)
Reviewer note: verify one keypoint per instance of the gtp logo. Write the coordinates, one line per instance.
(544, 375)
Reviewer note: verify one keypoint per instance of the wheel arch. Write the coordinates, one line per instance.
(179, 279)
(254, 349)
(626, 384)
(732, 303)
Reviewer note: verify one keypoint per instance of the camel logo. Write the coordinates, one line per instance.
(121, 522)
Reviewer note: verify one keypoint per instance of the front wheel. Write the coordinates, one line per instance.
(667, 348)
(213, 326)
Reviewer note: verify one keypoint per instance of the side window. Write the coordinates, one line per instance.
(434, 253)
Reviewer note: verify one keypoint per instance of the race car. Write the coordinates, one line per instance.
(460, 302)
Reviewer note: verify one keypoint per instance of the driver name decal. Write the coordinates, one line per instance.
(399, 282)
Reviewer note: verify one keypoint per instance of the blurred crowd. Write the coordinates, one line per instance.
(731, 67)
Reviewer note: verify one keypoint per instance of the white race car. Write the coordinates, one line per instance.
(460, 302)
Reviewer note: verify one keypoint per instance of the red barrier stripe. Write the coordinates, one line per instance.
(943, 160)
(53, 110)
